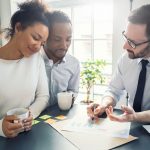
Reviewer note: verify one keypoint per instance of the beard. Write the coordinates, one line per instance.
(55, 54)
(131, 54)
(143, 53)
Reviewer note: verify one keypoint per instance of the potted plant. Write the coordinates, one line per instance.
(91, 74)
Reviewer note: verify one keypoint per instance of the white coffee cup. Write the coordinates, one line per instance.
(21, 113)
(65, 100)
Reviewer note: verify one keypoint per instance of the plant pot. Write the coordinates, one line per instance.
(87, 101)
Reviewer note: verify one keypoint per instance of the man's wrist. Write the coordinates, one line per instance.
(104, 106)
(134, 117)
(108, 101)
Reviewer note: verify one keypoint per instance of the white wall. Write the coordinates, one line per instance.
(7, 8)
(5, 14)
(138, 3)
(121, 11)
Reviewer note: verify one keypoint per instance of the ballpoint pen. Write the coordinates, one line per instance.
(127, 99)
(92, 118)
(94, 107)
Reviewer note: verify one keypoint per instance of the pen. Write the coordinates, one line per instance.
(127, 99)
(94, 107)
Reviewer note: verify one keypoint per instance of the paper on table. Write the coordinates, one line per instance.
(147, 127)
(44, 117)
(119, 129)
(115, 129)
(50, 121)
(61, 117)
(90, 141)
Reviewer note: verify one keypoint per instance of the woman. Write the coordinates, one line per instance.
(23, 80)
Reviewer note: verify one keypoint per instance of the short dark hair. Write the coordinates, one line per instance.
(57, 16)
(28, 14)
(141, 15)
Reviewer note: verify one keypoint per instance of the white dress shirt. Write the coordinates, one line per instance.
(126, 78)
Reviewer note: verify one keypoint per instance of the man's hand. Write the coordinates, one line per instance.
(11, 129)
(27, 123)
(95, 110)
(127, 116)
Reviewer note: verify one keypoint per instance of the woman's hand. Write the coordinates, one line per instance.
(11, 129)
(27, 123)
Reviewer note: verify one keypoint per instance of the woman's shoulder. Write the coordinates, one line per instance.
(37, 56)
(35, 59)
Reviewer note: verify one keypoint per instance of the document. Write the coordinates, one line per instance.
(88, 134)
(89, 140)
(100, 126)
(147, 127)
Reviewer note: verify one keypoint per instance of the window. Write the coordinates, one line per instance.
(92, 34)
(92, 37)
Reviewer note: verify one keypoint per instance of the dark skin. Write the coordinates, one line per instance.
(24, 44)
(12, 128)
(58, 41)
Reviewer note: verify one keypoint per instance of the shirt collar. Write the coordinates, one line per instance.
(47, 60)
(139, 59)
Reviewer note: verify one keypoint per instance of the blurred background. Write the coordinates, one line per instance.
(97, 28)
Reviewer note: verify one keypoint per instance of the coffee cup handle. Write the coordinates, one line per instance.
(73, 99)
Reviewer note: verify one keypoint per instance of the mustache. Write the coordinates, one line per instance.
(129, 51)
(61, 49)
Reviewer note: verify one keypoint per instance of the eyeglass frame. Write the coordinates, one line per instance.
(131, 43)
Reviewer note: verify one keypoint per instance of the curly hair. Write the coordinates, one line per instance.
(28, 14)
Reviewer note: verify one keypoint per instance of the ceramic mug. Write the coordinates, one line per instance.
(21, 113)
(65, 100)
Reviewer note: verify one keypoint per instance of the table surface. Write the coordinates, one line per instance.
(44, 137)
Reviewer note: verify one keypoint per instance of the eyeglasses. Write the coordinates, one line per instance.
(131, 43)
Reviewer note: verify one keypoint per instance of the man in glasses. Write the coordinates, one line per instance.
(132, 73)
